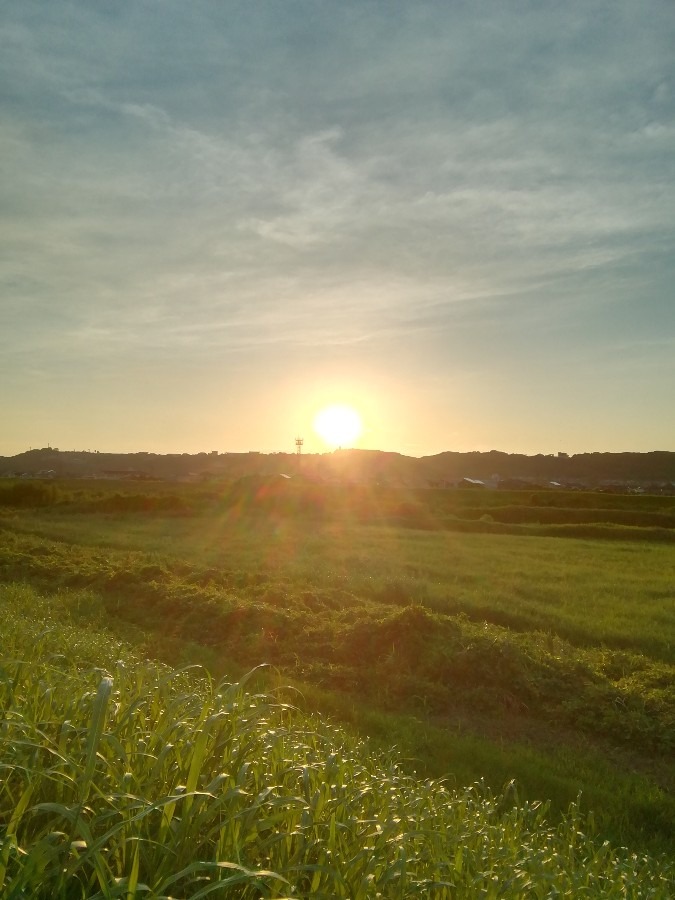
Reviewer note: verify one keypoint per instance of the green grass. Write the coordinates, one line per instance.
(615, 594)
(481, 656)
(133, 780)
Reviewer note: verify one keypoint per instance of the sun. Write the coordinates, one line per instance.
(338, 425)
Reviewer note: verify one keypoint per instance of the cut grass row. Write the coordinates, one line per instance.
(399, 624)
(616, 595)
(133, 780)
(337, 639)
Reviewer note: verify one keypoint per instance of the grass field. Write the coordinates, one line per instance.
(484, 656)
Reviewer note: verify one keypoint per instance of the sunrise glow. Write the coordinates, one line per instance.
(338, 425)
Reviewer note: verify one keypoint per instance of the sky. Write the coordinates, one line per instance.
(218, 217)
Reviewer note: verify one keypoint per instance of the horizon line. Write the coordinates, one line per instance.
(558, 455)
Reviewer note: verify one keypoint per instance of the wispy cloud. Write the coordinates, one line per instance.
(208, 178)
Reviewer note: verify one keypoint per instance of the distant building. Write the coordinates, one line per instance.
(471, 483)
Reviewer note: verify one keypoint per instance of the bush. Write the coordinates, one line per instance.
(26, 494)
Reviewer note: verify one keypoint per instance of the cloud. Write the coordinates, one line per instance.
(243, 176)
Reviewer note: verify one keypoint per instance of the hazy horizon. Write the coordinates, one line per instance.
(123, 452)
(220, 217)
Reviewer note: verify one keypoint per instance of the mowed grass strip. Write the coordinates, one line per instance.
(336, 629)
(592, 593)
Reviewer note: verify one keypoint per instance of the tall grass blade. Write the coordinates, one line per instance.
(96, 726)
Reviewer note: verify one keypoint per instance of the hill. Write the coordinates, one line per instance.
(654, 470)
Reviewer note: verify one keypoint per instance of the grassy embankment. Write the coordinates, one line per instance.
(479, 654)
(133, 780)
